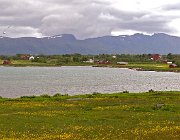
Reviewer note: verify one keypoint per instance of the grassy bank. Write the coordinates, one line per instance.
(159, 67)
(25, 63)
(136, 66)
(153, 115)
(153, 67)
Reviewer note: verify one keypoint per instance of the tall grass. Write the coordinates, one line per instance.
(152, 115)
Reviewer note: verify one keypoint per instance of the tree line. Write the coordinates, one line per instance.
(79, 58)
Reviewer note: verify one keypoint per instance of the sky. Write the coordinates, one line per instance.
(88, 18)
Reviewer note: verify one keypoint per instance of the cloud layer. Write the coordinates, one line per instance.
(88, 18)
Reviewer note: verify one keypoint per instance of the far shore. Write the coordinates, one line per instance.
(134, 66)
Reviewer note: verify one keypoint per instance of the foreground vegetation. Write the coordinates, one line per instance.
(152, 115)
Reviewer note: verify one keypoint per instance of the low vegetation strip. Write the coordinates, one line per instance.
(151, 115)
(143, 62)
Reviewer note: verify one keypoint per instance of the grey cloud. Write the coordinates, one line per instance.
(83, 18)
(149, 24)
(89, 22)
(172, 7)
(21, 13)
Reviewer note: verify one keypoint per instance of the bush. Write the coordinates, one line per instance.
(151, 90)
(45, 96)
(125, 91)
(89, 96)
(57, 95)
(96, 93)
(28, 97)
(158, 106)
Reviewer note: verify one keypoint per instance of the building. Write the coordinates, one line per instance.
(155, 57)
(169, 63)
(114, 56)
(25, 56)
(31, 58)
(122, 63)
(103, 62)
(6, 62)
(89, 61)
(173, 66)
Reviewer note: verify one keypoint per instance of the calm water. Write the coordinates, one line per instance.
(20, 81)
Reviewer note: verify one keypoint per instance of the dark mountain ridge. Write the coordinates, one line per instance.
(67, 44)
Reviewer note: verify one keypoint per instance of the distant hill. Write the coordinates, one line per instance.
(68, 44)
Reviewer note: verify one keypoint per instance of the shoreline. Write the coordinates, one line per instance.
(90, 95)
(175, 70)
(155, 69)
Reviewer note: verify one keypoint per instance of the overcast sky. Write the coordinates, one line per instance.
(88, 18)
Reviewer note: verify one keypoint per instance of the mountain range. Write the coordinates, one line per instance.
(67, 44)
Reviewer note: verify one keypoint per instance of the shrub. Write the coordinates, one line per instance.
(89, 96)
(96, 93)
(158, 106)
(28, 97)
(125, 91)
(151, 90)
(45, 96)
(57, 95)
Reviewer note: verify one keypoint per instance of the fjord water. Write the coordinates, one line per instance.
(25, 81)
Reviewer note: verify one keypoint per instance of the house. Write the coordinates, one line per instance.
(155, 57)
(25, 56)
(31, 58)
(114, 56)
(165, 61)
(6, 62)
(122, 63)
(173, 66)
(169, 63)
(89, 61)
(103, 62)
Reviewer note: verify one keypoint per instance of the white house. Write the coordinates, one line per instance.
(169, 63)
(31, 58)
(90, 61)
(113, 56)
(122, 63)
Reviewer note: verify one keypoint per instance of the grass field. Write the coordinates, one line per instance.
(153, 67)
(152, 115)
(150, 67)
(24, 63)
(138, 66)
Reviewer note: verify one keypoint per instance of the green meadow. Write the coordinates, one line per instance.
(50, 63)
(152, 115)
(160, 67)
(137, 66)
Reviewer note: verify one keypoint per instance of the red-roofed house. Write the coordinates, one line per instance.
(155, 57)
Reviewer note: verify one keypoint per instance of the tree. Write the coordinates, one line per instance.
(169, 56)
